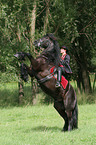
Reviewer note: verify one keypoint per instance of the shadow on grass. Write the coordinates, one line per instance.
(45, 128)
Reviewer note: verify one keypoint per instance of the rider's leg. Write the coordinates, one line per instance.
(59, 74)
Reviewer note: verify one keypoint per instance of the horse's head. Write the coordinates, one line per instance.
(51, 46)
(47, 41)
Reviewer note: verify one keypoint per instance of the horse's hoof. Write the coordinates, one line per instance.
(64, 129)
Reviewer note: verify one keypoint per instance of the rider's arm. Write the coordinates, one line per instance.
(66, 60)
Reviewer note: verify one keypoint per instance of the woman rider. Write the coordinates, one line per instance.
(64, 67)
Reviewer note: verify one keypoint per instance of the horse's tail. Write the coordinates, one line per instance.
(75, 116)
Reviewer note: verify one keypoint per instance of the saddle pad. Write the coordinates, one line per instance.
(64, 82)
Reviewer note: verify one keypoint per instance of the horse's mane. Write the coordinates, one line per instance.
(54, 54)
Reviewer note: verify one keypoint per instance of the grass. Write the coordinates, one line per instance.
(42, 125)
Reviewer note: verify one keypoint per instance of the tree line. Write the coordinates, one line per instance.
(73, 23)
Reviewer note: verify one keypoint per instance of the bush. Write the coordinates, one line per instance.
(9, 95)
(8, 77)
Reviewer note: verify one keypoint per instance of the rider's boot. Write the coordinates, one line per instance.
(59, 73)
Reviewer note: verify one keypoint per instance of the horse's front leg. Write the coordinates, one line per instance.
(59, 106)
(25, 70)
(22, 55)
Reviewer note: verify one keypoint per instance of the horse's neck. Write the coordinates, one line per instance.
(49, 49)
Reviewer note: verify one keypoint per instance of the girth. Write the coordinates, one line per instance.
(45, 79)
(48, 77)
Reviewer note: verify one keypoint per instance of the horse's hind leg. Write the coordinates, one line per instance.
(59, 106)
(70, 120)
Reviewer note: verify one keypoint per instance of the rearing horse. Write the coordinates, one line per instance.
(65, 100)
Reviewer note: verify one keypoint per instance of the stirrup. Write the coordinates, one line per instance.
(57, 85)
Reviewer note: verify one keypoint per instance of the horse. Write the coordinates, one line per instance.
(65, 100)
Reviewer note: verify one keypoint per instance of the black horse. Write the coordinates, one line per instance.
(65, 100)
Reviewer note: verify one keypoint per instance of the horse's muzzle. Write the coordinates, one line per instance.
(16, 55)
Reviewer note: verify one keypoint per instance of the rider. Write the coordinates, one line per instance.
(64, 67)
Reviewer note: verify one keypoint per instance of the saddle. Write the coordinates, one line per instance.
(64, 82)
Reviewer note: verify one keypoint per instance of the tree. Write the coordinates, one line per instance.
(75, 32)
(46, 21)
(72, 22)
(32, 48)
(83, 45)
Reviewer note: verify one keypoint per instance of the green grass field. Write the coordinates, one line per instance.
(42, 125)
